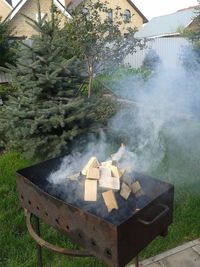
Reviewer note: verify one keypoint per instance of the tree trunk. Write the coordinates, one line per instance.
(90, 81)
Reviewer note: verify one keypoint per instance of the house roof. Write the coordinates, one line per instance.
(74, 3)
(21, 3)
(145, 20)
(9, 2)
(168, 24)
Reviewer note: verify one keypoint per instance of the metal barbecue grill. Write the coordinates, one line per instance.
(116, 237)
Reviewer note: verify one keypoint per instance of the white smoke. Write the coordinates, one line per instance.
(168, 99)
(152, 112)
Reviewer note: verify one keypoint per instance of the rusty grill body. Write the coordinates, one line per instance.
(114, 243)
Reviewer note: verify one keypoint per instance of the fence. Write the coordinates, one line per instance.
(4, 78)
(169, 49)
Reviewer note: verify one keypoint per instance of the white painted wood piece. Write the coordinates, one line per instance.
(110, 183)
(105, 172)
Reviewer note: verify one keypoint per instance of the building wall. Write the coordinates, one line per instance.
(5, 9)
(30, 9)
(169, 50)
(136, 19)
(21, 28)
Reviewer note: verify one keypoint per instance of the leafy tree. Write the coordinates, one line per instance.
(151, 60)
(193, 34)
(7, 45)
(99, 43)
(46, 113)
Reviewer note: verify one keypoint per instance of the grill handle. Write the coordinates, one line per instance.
(49, 246)
(162, 213)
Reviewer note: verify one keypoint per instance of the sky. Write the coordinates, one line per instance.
(156, 8)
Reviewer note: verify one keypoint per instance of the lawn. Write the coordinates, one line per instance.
(180, 167)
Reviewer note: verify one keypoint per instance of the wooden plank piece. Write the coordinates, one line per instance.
(116, 172)
(93, 173)
(125, 191)
(135, 187)
(92, 163)
(90, 190)
(110, 201)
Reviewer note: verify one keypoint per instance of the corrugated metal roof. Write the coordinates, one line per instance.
(167, 24)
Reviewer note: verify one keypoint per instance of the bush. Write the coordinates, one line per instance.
(151, 60)
(104, 109)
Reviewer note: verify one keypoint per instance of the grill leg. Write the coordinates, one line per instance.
(38, 247)
(137, 261)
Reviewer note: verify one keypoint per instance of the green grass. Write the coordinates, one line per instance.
(17, 249)
(180, 167)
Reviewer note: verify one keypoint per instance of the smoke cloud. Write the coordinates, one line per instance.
(158, 121)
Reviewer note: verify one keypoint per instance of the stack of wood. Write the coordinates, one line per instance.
(107, 175)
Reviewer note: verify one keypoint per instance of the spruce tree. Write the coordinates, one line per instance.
(46, 113)
(7, 44)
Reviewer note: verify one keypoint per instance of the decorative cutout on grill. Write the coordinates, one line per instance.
(57, 221)
(93, 243)
(108, 252)
(80, 235)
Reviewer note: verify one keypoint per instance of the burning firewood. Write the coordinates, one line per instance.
(110, 201)
(92, 163)
(90, 190)
(125, 191)
(93, 173)
(135, 187)
(110, 182)
(116, 172)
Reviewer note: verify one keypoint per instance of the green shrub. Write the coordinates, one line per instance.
(118, 79)
(104, 109)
